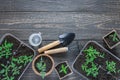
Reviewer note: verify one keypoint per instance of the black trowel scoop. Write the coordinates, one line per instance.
(67, 38)
(64, 39)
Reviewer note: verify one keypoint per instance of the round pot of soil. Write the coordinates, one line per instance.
(43, 65)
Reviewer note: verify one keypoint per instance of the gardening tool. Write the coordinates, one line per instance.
(58, 50)
(64, 39)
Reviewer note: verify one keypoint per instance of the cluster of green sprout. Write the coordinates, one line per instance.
(89, 66)
(114, 37)
(41, 66)
(93, 70)
(111, 67)
(63, 69)
(13, 67)
(5, 49)
(22, 59)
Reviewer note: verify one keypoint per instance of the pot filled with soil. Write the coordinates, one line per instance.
(112, 39)
(94, 60)
(63, 69)
(43, 65)
(15, 57)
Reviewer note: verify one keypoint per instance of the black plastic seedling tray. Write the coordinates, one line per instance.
(103, 66)
(112, 39)
(63, 69)
(15, 57)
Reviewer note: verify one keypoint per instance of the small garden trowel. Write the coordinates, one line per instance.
(64, 39)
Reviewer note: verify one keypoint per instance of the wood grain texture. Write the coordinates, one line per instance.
(61, 5)
(55, 23)
(88, 19)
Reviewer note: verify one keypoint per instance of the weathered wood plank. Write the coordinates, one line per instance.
(85, 25)
(55, 17)
(61, 5)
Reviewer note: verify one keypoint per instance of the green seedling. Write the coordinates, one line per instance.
(5, 49)
(93, 70)
(111, 66)
(114, 37)
(5, 71)
(89, 66)
(22, 59)
(89, 59)
(91, 52)
(63, 69)
(118, 71)
(12, 68)
(41, 66)
(102, 55)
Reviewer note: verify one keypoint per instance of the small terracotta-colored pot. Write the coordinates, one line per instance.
(34, 62)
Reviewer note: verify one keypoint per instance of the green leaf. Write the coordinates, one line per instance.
(41, 66)
(2, 71)
(63, 69)
(119, 71)
(114, 37)
(111, 66)
(11, 78)
(42, 74)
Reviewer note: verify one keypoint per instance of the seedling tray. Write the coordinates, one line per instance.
(112, 39)
(98, 65)
(63, 69)
(15, 57)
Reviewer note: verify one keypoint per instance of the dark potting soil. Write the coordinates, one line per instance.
(12, 40)
(48, 62)
(58, 68)
(100, 62)
(77, 66)
(110, 58)
(110, 41)
(104, 75)
(17, 50)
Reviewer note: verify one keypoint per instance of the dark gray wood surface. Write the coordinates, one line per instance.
(89, 19)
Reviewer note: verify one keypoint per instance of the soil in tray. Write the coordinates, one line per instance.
(12, 40)
(109, 39)
(99, 61)
(101, 58)
(104, 75)
(115, 63)
(47, 61)
(63, 72)
(77, 66)
(16, 59)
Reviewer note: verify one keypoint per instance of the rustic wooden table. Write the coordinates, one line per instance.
(89, 19)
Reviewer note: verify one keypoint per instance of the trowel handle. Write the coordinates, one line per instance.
(51, 45)
(54, 51)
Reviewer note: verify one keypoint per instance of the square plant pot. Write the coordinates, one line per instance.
(112, 39)
(94, 59)
(15, 57)
(63, 69)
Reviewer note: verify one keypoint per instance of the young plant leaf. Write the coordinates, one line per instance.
(63, 69)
